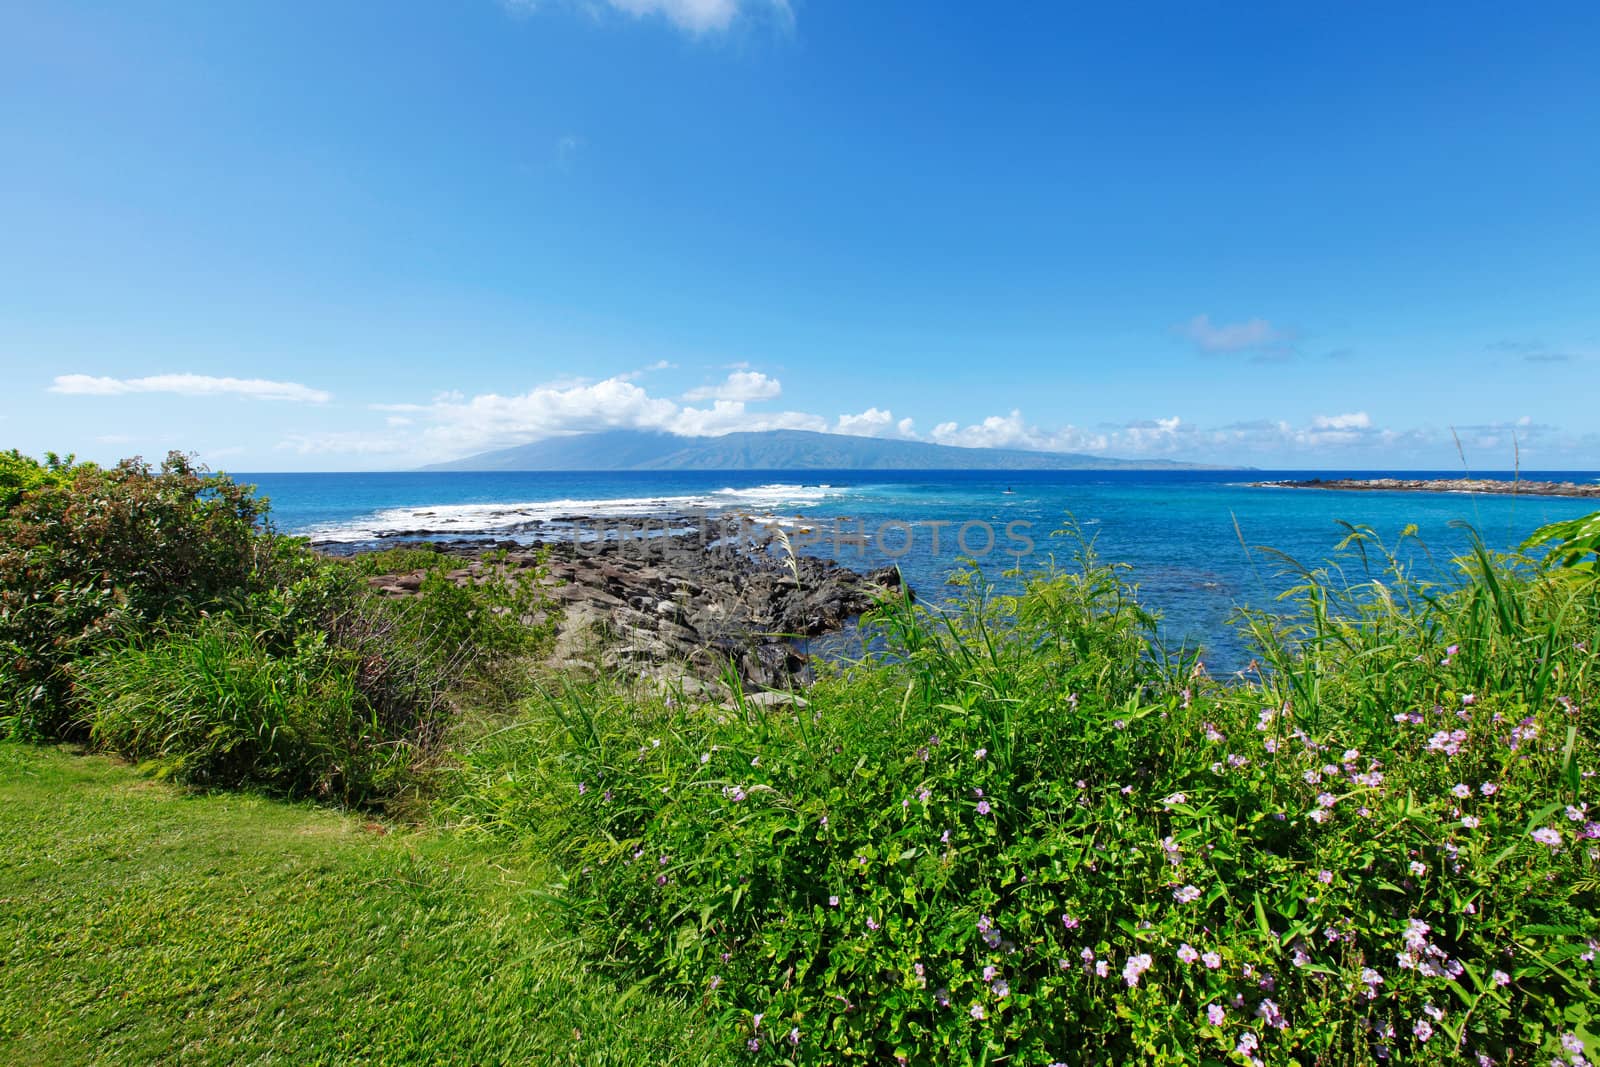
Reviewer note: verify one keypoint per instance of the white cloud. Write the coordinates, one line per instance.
(1251, 335)
(695, 16)
(741, 386)
(1356, 420)
(728, 416)
(634, 375)
(1011, 431)
(874, 422)
(994, 432)
(1149, 436)
(189, 385)
(1170, 437)
(544, 411)
(454, 425)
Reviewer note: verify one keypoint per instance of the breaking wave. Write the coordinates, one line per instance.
(505, 519)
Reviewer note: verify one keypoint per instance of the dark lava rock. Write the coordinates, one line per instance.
(704, 602)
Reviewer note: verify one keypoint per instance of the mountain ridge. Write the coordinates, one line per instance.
(620, 450)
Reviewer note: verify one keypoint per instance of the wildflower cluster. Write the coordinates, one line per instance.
(1024, 837)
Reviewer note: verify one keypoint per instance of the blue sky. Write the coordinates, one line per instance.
(378, 233)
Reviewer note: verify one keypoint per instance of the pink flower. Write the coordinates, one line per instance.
(1215, 1015)
(1186, 894)
(1548, 835)
(1186, 953)
(1135, 967)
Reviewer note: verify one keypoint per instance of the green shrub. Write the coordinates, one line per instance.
(20, 474)
(1026, 837)
(89, 556)
(396, 561)
(480, 630)
(154, 613)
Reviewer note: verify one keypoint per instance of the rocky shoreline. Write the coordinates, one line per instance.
(1441, 485)
(679, 606)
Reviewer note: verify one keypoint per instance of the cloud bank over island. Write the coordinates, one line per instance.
(453, 424)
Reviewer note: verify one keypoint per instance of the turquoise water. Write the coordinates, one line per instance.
(1180, 530)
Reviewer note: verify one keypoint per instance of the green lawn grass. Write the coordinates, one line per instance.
(143, 924)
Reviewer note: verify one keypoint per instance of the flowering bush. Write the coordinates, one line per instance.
(1025, 836)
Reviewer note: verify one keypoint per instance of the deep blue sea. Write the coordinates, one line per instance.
(1180, 530)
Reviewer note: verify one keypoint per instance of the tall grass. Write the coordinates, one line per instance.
(210, 706)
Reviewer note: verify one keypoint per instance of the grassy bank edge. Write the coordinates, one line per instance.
(140, 923)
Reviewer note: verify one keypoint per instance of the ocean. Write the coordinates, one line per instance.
(1180, 531)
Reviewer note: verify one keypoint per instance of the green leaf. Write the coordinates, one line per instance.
(1548, 930)
(1262, 926)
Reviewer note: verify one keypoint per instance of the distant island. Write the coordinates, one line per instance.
(1441, 485)
(634, 450)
